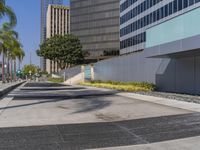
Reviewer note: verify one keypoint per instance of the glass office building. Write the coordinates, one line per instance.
(44, 7)
(96, 23)
(159, 41)
(136, 16)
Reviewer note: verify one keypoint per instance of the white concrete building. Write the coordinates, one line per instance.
(58, 23)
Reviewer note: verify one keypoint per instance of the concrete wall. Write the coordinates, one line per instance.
(180, 74)
(133, 67)
(71, 72)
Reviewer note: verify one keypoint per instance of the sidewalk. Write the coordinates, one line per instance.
(7, 87)
(163, 101)
(174, 103)
(191, 143)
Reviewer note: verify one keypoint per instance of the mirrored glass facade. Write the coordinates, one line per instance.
(136, 16)
(96, 23)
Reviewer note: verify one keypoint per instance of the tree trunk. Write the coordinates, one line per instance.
(11, 70)
(15, 79)
(3, 69)
(54, 66)
(8, 69)
(50, 67)
(62, 65)
(57, 67)
(19, 65)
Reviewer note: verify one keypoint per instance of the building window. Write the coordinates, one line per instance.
(166, 10)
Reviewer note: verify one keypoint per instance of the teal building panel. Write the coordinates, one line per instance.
(181, 27)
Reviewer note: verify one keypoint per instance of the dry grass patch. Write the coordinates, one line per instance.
(122, 86)
(56, 80)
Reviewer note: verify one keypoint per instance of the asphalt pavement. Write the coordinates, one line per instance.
(46, 116)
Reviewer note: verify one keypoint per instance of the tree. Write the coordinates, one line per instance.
(14, 54)
(4, 35)
(7, 11)
(65, 50)
(10, 48)
(29, 69)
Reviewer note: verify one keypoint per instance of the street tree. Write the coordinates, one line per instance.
(64, 50)
(15, 53)
(29, 70)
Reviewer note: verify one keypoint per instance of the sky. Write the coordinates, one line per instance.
(28, 26)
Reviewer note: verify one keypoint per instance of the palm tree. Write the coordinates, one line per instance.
(7, 11)
(10, 47)
(15, 53)
(5, 38)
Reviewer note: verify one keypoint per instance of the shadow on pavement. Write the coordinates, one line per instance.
(51, 89)
(86, 103)
(72, 95)
(38, 84)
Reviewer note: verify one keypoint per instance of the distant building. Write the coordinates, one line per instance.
(96, 23)
(44, 6)
(58, 23)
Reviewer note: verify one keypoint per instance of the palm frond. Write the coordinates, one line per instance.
(11, 15)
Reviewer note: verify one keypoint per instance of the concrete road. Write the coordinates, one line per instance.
(52, 116)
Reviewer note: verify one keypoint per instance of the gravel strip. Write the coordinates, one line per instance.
(174, 96)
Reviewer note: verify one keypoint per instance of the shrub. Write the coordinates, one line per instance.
(123, 86)
(56, 80)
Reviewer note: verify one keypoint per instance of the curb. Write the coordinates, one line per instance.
(10, 88)
(194, 107)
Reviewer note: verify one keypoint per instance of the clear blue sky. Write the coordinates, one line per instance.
(28, 26)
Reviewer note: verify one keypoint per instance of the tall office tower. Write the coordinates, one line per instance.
(58, 23)
(44, 6)
(96, 23)
(163, 37)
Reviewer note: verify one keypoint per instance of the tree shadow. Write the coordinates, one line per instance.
(51, 89)
(92, 104)
(87, 102)
(44, 84)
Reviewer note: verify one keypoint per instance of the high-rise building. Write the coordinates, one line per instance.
(44, 6)
(163, 37)
(96, 23)
(58, 23)
(137, 16)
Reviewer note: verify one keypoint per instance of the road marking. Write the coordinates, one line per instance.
(132, 133)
